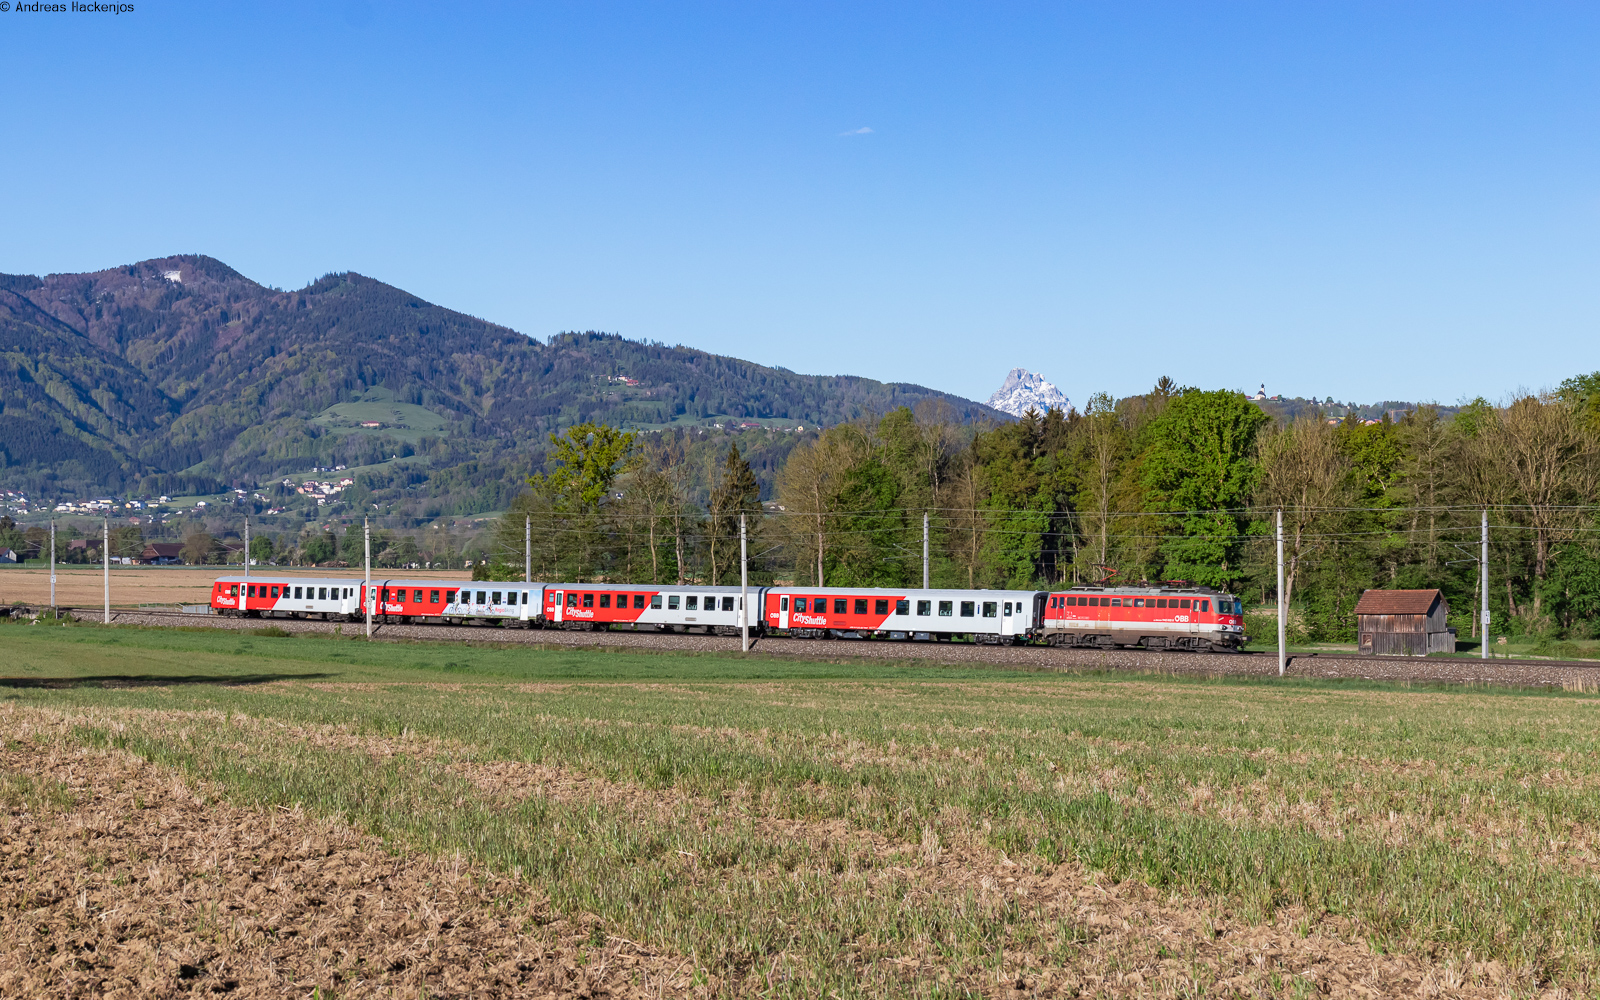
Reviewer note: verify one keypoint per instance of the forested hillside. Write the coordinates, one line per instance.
(183, 365)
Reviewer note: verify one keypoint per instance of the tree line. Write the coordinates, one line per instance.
(1178, 483)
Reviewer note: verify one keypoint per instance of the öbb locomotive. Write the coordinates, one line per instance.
(1159, 617)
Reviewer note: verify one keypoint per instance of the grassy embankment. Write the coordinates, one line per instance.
(780, 822)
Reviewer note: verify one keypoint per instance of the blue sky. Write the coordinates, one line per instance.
(1365, 201)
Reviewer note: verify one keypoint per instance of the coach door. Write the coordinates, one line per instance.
(783, 611)
(558, 605)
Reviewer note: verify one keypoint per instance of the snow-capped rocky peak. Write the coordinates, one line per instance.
(1024, 389)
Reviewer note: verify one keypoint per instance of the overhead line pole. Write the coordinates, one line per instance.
(53, 612)
(366, 599)
(105, 554)
(744, 588)
(924, 550)
(527, 550)
(1283, 611)
(1483, 570)
(246, 548)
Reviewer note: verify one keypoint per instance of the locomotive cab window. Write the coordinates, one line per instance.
(902, 607)
(924, 608)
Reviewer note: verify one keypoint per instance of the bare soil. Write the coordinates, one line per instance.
(119, 879)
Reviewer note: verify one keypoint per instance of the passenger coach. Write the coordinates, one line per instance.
(988, 616)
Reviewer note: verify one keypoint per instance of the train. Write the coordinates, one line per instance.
(1167, 616)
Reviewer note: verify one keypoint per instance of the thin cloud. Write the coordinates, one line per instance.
(863, 130)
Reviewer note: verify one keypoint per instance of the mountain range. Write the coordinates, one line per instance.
(152, 375)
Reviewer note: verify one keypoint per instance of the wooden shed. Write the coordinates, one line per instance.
(1403, 623)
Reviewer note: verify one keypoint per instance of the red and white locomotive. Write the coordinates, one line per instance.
(1195, 618)
(1165, 617)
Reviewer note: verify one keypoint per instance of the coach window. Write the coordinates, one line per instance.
(691, 603)
(638, 601)
(902, 607)
(588, 600)
(297, 593)
(572, 599)
(655, 602)
(433, 597)
(991, 609)
(967, 608)
(605, 600)
(727, 604)
(711, 602)
(482, 597)
(840, 606)
(924, 608)
(946, 609)
(880, 607)
(672, 602)
(496, 597)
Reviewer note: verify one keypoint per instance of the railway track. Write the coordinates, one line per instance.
(1583, 675)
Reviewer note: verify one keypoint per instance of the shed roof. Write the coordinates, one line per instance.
(1397, 602)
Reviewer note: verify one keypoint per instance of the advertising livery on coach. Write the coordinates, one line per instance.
(1165, 617)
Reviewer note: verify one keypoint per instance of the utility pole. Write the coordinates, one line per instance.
(105, 554)
(924, 550)
(744, 588)
(1483, 570)
(366, 531)
(246, 548)
(527, 550)
(53, 612)
(1283, 610)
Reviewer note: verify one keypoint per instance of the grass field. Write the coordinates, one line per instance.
(772, 827)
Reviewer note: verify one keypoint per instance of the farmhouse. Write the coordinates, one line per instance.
(1403, 623)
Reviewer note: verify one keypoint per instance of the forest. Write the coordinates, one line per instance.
(1176, 484)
